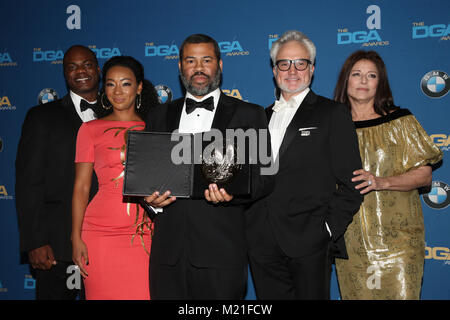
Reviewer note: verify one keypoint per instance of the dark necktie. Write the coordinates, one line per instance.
(84, 105)
(207, 104)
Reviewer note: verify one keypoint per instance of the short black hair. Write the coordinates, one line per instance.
(79, 46)
(200, 38)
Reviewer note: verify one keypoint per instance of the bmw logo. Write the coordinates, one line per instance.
(439, 196)
(47, 95)
(164, 93)
(435, 84)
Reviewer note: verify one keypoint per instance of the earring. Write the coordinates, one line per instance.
(138, 98)
(103, 105)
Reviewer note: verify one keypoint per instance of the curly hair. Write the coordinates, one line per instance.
(149, 97)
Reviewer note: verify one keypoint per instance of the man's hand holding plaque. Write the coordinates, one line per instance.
(156, 200)
(216, 195)
(212, 194)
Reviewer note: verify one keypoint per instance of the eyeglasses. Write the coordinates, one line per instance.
(285, 64)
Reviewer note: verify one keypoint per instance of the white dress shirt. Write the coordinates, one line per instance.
(283, 112)
(86, 115)
(200, 120)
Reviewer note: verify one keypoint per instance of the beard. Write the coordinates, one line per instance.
(212, 85)
(286, 89)
(300, 88)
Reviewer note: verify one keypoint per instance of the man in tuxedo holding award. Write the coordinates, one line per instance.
(45, 171)
(199, 248)
(296, 231)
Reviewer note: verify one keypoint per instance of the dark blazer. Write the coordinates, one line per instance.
(211, 235)
(313, 184)
(45, 172)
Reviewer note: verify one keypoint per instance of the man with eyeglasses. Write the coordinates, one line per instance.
(296, 231)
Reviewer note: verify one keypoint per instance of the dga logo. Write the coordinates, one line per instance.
(439, 196)
(169, 52)
(421, 31)
(272, 39)
(6, 61)
(233, 93)
(29, 282)
(47, 95)
(5, 57)
(438, 253)
(366, 38)
(105, 53)
(232, 48)
(5, 104)
(441, 140)
(164, 93)
(52, 56)
(2, 288)
(4, 194)
(435, 84)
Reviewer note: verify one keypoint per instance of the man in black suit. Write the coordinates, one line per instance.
(296, 231)
(45, 174)
(199, 248)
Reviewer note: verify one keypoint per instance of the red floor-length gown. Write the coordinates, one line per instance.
(118, 254)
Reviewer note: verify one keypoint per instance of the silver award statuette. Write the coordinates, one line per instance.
(221, 168)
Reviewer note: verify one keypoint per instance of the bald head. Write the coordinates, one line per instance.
(77, 48)
(81, 71)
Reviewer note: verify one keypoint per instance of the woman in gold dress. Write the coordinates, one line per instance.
(386, 240)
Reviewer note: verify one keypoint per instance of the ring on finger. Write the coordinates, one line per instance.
(369, 182)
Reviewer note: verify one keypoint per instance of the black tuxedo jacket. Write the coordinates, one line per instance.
(317, 158)
(45, 171)
(210, 235)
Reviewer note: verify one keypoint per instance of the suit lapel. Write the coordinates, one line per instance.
(174, 115)
(269, 112)
(224, 113)
(302, 114)
(67, 104)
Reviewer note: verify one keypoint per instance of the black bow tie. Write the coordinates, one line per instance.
(207, 104)
(84, 105)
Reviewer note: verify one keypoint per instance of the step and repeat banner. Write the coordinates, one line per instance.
(413, 38)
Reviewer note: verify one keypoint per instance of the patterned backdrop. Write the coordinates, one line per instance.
(413, 37)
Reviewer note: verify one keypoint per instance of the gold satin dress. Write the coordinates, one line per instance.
(386, 240)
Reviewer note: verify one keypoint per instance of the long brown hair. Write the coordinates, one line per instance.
(384, 102)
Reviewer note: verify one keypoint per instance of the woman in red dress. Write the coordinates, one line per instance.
(111, 237)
